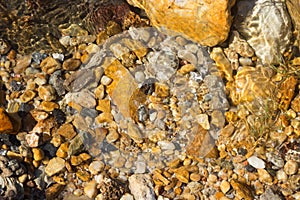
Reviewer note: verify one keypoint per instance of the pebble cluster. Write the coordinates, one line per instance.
(139, 114)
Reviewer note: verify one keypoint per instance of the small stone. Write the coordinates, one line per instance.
(4, 47)
(62, 151)
(105, 80)
(222, 62)
(32, 139)
(281, 176)
(291, 167)
(112, 136)
(140, 167)
(90, 189)
(295, 105)
(22, 64)
(6, 123)
(76, 145)
(203, 121)
(38, 154)
(264, 176)
(67, 131)
(242, 191)
(141, 187)
(135, 133)
(49, 106)
(71, 64)
(225, 186)
(78, 192)
(96, 167)
(85, 156)
(49, 65)
(27, 96)
(162, 90)
(55, 166)
(182, 175)
(99, 92)
(185, 69)
(104, 106)
(47, 93)
(127, 197)
(58, 56)
(76, 160)
(256, 162)
(195, 177)
(286, 92)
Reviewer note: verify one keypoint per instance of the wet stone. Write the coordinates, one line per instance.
(49, 65)
(6, 123)
(22, 64)
(47, 93)
(4, 46)
(71, 64)
(55, 166)
(67, 131)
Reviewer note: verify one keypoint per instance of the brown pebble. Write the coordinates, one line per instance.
(50, 65)
(195, 177)
(71, 64)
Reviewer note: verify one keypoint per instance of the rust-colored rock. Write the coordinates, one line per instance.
(286, 92)
(206, 22)
(5, 122)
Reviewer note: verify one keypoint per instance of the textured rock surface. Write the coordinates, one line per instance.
(141, 187)
(206, 22)
(6, 124)
(267, 27)
(294, 10)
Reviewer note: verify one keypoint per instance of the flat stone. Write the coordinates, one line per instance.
(32, 139)
(6, 123)
(38, 154)
(55, 166)
(208, 23)
(141, 187)
(90, 189)
(256, 162)
(96, 167)
(71, 64)
(74, 30)
(225, 186)
(76, 145)
(203, 121)
(22, 64)
(122, 81)
(135, 133)
(49, 65)
(264, 176)
(266, 27)
(67, 131)
(242, 191)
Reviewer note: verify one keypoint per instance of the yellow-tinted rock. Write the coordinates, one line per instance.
(6, 124)
(67, 130)
(242, 191)
(104, 105)
(286, 92)
(38, 154)
(182, 175)
(206, 22)
(49, 65)
(27, 96)
(49, 106)
(122, 81)
(222, 62)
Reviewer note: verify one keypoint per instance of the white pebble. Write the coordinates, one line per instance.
(58, 56)
(256, 162)
(105, 80)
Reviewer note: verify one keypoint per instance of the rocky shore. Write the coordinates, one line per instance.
(143, 100)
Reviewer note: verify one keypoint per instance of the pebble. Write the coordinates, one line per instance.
(49, 106)
(105, 80)
(49, 65)
(55, 166)
(47, 92)
(38, 154)
(71, 64)
(127, 197)
(135, 133)
(22, 64)
(291, 167)
(225, 186)
(141, 187)
(58, 56)
(281, 176)
(256, 162)
(32, 139)
(90, 189)
(67, 131)
(112, 136)
(264, 176)
(96, 167)
(182, 175)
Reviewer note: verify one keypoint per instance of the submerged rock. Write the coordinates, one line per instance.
(266, 26)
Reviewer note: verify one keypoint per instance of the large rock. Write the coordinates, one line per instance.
(141, 187)
(206, 22)
(266, 27)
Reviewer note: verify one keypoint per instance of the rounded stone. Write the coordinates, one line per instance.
(47, 92)
(291, 167)
(96, 166)
(27, 96)
(105, 80)
(90, 189)
(71, 64)
(225, 186)
(55, 166)
(49, 65)
(38, 154)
